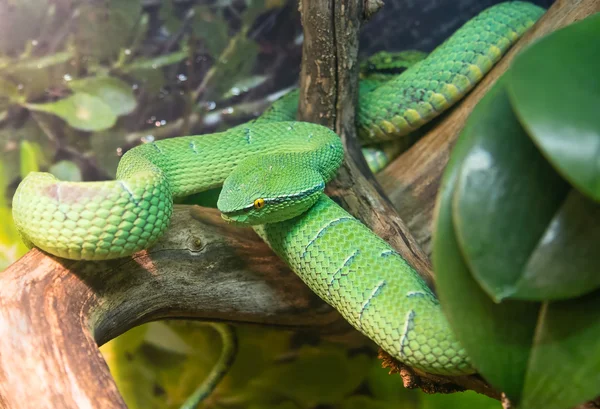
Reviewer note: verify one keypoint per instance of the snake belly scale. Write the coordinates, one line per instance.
(273, 174)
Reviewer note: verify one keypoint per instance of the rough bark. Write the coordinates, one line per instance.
(54, 313)
(328, 96)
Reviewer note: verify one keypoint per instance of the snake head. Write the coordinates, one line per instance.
(269, 189)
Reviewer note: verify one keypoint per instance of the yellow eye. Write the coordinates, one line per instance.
(259, 203)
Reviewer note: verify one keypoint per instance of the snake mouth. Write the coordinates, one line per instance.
(234, 220)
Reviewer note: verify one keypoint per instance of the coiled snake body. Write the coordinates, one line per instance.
(273, 175)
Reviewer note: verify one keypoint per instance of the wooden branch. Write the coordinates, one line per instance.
(54, 312)
(413, 179)
(328, 96)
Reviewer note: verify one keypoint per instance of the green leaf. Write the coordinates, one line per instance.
(211, 28)
(156, 62)
(465, 400)
(364, 402)
(497, 337)
(11, 246)
(555, 90)
(134, 377)
(318, 376)
(10, 91)
(566, 260)
(506, 194)
(389, 388)
(66, 170)
(102, 29)
(30, 159)
(81, 111)
(34, 76)
(40, 63)
(234, 63)
(3, 184)
(244, 85)
(115, 93)
(564, 368)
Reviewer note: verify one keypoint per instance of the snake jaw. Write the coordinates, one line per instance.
(235, 220)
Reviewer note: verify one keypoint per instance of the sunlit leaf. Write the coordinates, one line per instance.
(505, 196)
(40, 63)
(564, 368)
(244, 85)
(3, 184)
(11, 246)
(156, 62)
(81, 111)
(30, 159)
(555, 90)
(497, 337)
(115, 93)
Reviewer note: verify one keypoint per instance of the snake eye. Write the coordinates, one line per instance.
(259, 203)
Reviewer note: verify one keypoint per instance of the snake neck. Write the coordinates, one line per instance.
(374, 289)
(193, 164)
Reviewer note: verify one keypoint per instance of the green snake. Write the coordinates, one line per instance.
(273, 174)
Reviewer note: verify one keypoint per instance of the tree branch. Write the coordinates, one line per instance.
(53, 312)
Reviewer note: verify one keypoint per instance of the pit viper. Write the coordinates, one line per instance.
(273, 174)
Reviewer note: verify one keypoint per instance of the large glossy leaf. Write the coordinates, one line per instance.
(564, 368)
(115, 93)
(555, 90)
(81, 111)
(506, 195)
(497, 337)
(566, 261)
